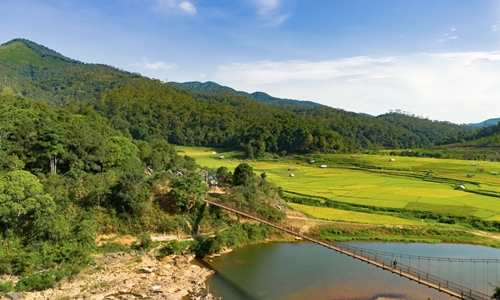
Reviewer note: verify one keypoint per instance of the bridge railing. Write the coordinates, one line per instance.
(370, 255)
(440, 283)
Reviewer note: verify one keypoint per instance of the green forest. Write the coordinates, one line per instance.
(88, 149)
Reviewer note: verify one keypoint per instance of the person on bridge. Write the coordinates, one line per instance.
(395, 264)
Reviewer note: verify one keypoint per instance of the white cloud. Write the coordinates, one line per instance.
(267, 6)
(269, 11)
(166, 6)
(145, 64)
(202, 76)
(269, 72)
(188, 7)
(449, 36)
(495, 27)
(461, 87)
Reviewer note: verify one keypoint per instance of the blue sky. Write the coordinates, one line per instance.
(435, 59)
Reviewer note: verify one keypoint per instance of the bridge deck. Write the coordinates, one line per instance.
(424, 278)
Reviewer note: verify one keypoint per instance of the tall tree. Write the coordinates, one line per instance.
(187, 191)
(24, 208)
(51, 142)
(243, 175)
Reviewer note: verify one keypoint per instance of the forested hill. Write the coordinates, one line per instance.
(214, 88)
(489, 122)
(391, 131)
(360, 131)
(484, 137)
(151, 109)
(34, 71)
(207, 114)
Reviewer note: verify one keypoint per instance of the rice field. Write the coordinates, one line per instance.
(351, 216)
(424, 184)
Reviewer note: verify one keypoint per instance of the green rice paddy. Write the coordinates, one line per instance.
(424, 184)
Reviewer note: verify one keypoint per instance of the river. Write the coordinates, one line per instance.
(303, 270)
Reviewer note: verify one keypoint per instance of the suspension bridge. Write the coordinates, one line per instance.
(447, 275)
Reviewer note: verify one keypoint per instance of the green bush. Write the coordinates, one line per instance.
(172, 247)
(6, 286)
(145, 242)
(111, 247)
(36, 282)
(206, 246)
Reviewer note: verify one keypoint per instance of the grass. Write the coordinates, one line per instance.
(425, 184)
(326, 213)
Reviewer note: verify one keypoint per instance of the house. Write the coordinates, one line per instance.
(323, 166)
(213, 183)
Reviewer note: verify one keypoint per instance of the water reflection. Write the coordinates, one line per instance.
(307, 271)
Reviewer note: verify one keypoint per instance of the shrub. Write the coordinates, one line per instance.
(6, 286)
(145, 242)
(36, 282)
(111, 247)
(172, 247)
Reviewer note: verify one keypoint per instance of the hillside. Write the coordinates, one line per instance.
(208, 114)
(484, 137)
(489, 122)
(360, 131)
(214, 88)
(150, 109)
(36, 72)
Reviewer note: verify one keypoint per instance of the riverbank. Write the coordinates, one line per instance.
(141, 275)
(131, 276)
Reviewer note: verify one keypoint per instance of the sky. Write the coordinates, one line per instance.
(433, 59)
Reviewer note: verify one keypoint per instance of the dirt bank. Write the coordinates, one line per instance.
(126, 276)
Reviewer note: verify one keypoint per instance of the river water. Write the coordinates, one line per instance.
(303, 270)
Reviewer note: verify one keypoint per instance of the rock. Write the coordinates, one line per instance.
(156, 288)
(14, 295)
(147, 270)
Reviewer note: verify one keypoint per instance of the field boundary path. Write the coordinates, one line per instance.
(373, 258)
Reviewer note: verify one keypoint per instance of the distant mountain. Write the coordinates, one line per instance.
(212, 87)
(208, 114)
(37, 72)
(489, 122)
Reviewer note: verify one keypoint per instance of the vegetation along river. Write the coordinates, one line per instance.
(308, 271)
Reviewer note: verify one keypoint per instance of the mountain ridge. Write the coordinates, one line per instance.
(36, 72)
(38, 64)
(210, 86)
(485, 123)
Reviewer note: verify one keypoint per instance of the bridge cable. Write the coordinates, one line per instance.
(462, 274)
(439, 268)
(487, 277)
(449, 269)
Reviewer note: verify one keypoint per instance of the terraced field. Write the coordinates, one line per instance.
(424, 184)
